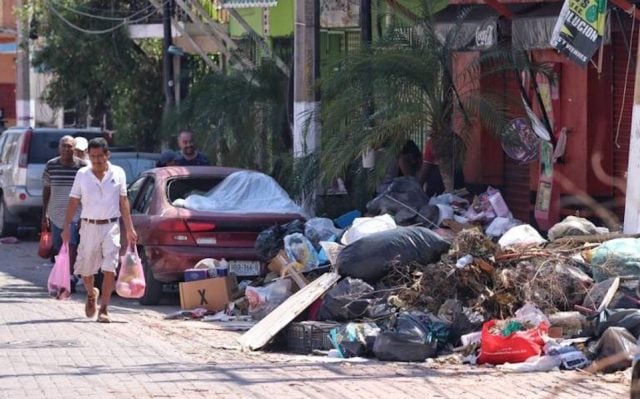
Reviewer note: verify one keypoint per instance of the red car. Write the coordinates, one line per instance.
(173, 238)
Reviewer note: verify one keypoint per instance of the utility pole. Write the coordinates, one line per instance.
(306, 66)
(167, 62)
(632, 201)
(23, 95)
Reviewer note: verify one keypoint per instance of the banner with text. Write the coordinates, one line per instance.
(580, 28)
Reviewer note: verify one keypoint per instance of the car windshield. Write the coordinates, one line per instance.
(182, 187)
(133, 165)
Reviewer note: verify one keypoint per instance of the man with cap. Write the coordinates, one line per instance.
(80, 145)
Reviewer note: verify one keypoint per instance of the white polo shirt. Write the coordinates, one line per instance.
(100, 199)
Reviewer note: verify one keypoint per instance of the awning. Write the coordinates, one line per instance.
(468, 28)
(249, 3)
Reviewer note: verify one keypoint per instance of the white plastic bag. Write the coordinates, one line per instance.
(365, 226)
(320, 229)
(531, 314)
(521, 236)
(263, 300)
(500, 225)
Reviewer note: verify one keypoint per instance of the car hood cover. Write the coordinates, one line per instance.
(245, 192)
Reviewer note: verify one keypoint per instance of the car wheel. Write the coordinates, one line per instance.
(6, 228)
(153, 289)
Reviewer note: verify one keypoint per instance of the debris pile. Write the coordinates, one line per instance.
(496, 292)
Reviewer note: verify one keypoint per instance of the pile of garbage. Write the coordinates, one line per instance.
(464, 279)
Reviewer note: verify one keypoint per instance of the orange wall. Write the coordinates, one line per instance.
(7, 19)
(7, 68)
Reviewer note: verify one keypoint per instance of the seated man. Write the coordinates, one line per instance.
(430, 175)
(407, 163)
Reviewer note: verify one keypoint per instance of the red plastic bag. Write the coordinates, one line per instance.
(59, 283)
(45, 247)
(131, 283)
(516, 348)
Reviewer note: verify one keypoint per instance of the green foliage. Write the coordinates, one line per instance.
(100, 75)
(238, 118)
(406, 79)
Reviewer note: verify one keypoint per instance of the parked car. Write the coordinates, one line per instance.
(173, 238)
(23, 155)
(133, 163)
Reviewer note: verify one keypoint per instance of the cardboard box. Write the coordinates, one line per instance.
(196, 274)
(212, 293)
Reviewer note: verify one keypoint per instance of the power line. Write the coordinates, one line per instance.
(86, 14)
(96, 32)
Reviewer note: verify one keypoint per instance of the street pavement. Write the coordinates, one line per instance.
(48, 349)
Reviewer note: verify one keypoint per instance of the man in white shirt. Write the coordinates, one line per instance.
(101, 189)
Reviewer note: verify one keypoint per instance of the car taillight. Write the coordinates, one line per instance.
(24, 151)
(173, 232)
(199, 227)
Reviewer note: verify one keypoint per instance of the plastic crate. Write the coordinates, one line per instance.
(307, 336)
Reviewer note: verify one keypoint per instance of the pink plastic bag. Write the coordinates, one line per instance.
(131, 283)
(59, 283)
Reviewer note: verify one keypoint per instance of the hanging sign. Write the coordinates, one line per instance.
(579, 29)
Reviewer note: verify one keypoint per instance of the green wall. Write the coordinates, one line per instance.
(280, 20)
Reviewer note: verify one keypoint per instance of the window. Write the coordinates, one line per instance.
(2, 140)
(144, 199)
(10, 148)
(183, 187)
(133, 191)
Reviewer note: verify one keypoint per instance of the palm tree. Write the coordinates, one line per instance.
(239, 116)
(407, 81)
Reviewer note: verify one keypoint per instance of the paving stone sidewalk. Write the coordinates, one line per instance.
(48, 349)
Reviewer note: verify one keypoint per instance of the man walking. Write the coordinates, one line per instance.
(57, 180)
(101, 189)
(189, 156)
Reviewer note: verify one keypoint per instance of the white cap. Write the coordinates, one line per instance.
(80, 143)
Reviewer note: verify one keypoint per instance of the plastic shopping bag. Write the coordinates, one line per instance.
(515, 348)
(131, 283)
(59, 283)
(45, 247)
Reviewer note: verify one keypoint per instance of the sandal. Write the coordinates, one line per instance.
(103, 316)
(90, 305)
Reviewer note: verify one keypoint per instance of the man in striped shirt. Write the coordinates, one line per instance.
(58, 177)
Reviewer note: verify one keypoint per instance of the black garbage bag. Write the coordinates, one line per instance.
(614, 350)
(626, 318)
(270, 240)
(461, 320)
(404, 193)
(379, 309)
(371, 257)
(414, 339)
(623, 298)
(346, 301)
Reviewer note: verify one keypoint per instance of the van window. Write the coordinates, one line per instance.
(3, 138)
(44, 145)
(10, 148)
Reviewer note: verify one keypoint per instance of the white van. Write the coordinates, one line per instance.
(23, 155)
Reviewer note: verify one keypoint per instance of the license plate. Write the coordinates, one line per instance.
(244, 267)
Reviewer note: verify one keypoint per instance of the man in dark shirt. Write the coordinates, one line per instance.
(188, 155)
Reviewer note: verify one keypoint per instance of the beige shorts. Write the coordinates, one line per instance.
(99, 248)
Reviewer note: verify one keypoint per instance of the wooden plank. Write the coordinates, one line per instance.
(610, 294)
(284, 314)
